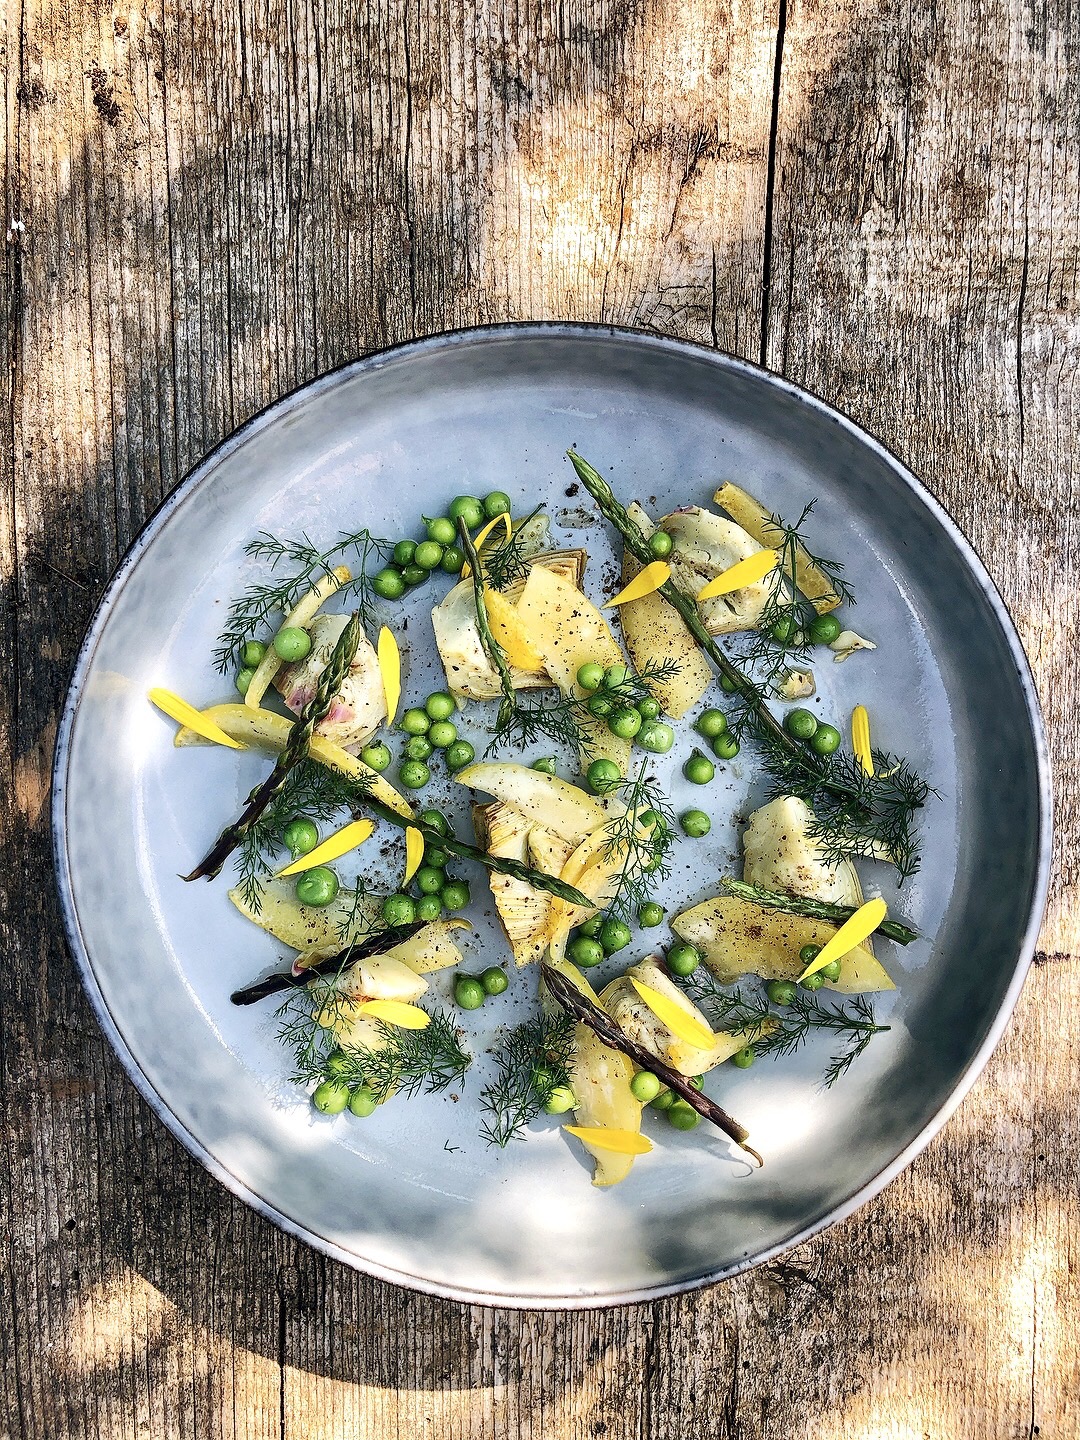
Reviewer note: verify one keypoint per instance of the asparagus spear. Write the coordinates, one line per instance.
(577, 1004)
(812, 909)
(376, 944)
(295, 750)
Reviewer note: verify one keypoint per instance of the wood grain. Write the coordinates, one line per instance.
(223, 200)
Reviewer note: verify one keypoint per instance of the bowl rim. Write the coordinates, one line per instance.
(454, 340)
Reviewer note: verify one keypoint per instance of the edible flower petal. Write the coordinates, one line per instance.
(675, 1017)
(509, 630)
(860, 739)
(187, 715)
(390, 670)
(644, 583)
(414, 853)
(850, 935)
(333, 847)
(623, 1142)
(396, 1012)
(744, 572)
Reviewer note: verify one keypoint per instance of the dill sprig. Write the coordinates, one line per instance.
(507, 563)
(305, 564)
(783, 1030)
(532, 1061)
(643, 849)
(494, 651)
(528, 722)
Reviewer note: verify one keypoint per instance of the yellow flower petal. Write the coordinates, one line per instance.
(187, 715)
(333, 847)
(623, 1142)
(397, 1012)
(482, 535)
(850, 935)
(745, 572)
(390, 670)
(675, 1017)
(643, 583)
(860, 738)
(414, 853)
(509, 630)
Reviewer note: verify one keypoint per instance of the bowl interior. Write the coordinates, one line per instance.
(413, 1193)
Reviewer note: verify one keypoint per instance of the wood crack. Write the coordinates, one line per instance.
(770, 181)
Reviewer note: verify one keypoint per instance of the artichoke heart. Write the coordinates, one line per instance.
(638, 1023)
(780, 853)
(524, 911)
(377, 977)
(318, 931)
(359, 707)
(705, 545)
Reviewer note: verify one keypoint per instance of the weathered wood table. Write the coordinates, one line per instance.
(208, 204)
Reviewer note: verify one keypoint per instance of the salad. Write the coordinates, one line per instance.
(708, 641)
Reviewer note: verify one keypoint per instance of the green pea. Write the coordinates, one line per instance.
(442, 530)
(783, 632)
(602, 706)
(728, 685)
(725, 747)
(243, 680)
(252, 654)
(698, 1082)
(808, 954)
(377, 756)
(404, 551)
(429, 880)
(389, 584)
(650, 819)
(683, 960)
(814, 981)
(428, 555)
(330, 1097)
(743, 1058)
(442, 734)
(436, 857)
(317, 886)
(455, 895)
(825, 740)
(336, 1064)
(800, 723)
(585, 952)
(603, 777)
(616, 676)
(418, 747)
(625, 724)
(414, 575)
(467, 508)
(831, 971)
(651, 914)
(413, 774)
(560, 1100)
(780, 992)
(645, 1086)
(590, 676)
(542, 1078)
(460, 754)
(699, 769)
(683, 1116)
(591, 928)
(440, 705)
(649, 708)
(453, 558)
(300, 836)
(469, 994)
(695, 823)
(494, 980)
(363, 1102)
(398, 909)
(545, 764)
(661, 544)
(496, 503)
(664, 1100)
(614, 935)
(415, 722)
(711, 723)
(428, 907)
(656, 737)
(292, 643)
(824, 629)
(435, 820)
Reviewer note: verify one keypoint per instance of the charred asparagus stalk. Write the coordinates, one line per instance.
(376, 944)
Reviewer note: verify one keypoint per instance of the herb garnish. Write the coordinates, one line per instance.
(506, 564)
(644, 849)
(533, 1061)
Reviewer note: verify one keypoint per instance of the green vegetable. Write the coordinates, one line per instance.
(591, 928)
(814, 981)
(439, 705)
(414, 774)
(808, 954)
(453, 559)
(603, 776)
(330, 1097)
(824, 629)
(728, 685)
(336, 1064)
(429, 880)
(494, 980)
(460, 754)
(590, 676)
(698, 1082)
(825, 740)
(699, 769)
(317, 886)
(695, 823)
(467, 508)
(442, 734)
(545, 764)
(683, 960)
(780, 992)
(376, 756)
(743, 1058)
(615, 676)
(625, 723)
(785, 630)
(442, 530)
(831, 971)
(649, 708)
(414, 575)
(664, 1100)
(428, 907)
(725, 747)
(398, 909)
(436, 857)
(455, 895)
(363, 1102)
(435, 820)
(428, 555)
(711, 723)
(292, 643)
(683, 1116)
(418, 747)
(585, 952)
(300, 836)
(252, 654)
(415, 722)
(645, 1086)
(497, 503)
(800, 723)
(651, 914)
(404, 551)
(243, 680)
(602, 706)
(657, 737)
(614, 935)
(389, 584)
(469, 994)
(561, 1099)
(661, 544)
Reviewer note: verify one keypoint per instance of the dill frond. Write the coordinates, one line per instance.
(533, 1060)
(504, 565)
(644, 856)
